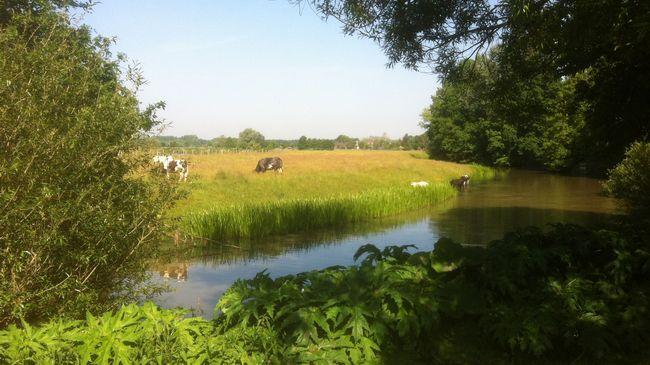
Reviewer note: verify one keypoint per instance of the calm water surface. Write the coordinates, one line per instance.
(199, 275)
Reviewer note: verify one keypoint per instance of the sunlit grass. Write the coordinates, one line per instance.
(318, 189)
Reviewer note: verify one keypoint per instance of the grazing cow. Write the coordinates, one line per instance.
(269, 163)
(419, 183)
(461, 183)
(179, 166)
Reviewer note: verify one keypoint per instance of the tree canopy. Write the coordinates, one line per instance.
(251, 139)
(605, 41)
(484, 112)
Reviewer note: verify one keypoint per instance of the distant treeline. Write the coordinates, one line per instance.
(250, 139)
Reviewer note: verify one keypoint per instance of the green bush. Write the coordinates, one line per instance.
(630, 179)
(136, 335)
(568, 295)
(486, 112)
(78, 218)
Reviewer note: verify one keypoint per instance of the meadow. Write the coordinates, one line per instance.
(318, 189)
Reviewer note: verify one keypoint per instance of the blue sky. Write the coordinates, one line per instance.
(222, 66)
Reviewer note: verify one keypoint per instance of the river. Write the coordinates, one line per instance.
(198, 275)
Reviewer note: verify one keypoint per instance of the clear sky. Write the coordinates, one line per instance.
(225, 65)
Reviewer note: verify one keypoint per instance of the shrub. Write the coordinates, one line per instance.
(136, 334)
(569, 295)
(78, 220)
(630, 179)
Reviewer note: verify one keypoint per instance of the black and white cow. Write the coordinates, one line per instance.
(169, 164)
(461, 183)
(179, 166)
(163, 161)
(269, 163)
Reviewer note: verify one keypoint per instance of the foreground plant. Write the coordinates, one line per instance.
(135, 335)
(572, 294)
(78, 223)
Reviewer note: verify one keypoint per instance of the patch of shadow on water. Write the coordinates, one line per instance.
(482, 225)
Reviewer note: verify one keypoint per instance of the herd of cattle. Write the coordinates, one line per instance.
(168, 165)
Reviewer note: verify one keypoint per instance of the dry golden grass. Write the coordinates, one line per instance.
(228, 179)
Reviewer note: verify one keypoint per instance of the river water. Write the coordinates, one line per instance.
(198, 275)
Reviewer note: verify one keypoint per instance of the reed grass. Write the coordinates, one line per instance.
(255, 220)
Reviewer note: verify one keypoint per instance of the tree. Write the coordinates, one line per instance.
(412, 32)
(630, 181)
(224, 142)
(251, 139)
(79, 218)
(409, 142)
(344, 142)
(605, 40)
(18, 7)
(486, 112)
(302, 143)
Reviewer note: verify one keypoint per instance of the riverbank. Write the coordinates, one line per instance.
(318, 189)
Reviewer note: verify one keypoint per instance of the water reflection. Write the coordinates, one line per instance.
(477, 226)
(484, 212)
(176, 270)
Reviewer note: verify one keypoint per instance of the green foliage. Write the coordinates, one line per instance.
(260, 219)
(78, 220)
(136, 335)
(409, 142)
(250, 139)
(487, 113)
(305, 143)
(224, 142)
(345, 142)
(569, 295)
(10, 8)
(630, 179)
(605, 39)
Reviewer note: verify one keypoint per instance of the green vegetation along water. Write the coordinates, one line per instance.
(199, 275)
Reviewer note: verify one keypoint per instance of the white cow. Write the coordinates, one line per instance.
(163, 160)
(419, 183)
(169, 164)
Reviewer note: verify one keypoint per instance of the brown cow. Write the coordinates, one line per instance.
(461, 183)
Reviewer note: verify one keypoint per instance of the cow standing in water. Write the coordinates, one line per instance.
(461, 183)
(269, 163)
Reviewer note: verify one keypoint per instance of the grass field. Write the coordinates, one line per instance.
(318, 189)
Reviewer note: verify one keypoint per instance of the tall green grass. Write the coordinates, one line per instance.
(255, 220)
